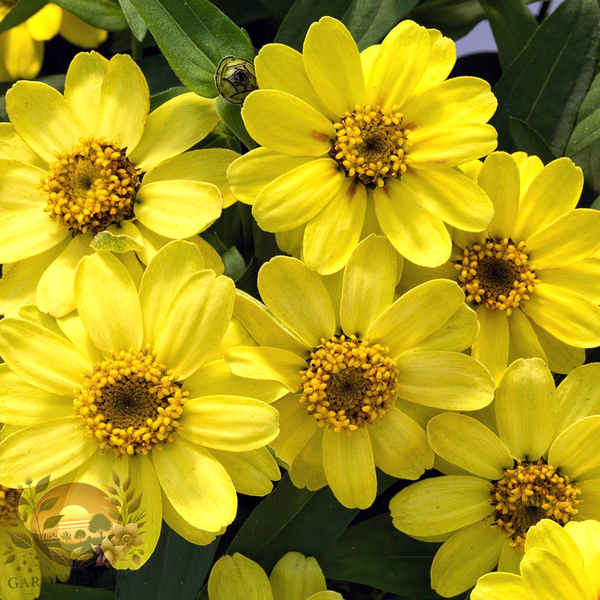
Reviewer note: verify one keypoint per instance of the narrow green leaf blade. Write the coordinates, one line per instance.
(530, 141)
(232, 117)
(136, 23)
(104, 14)
(512, 24)
(546, 83)
(194, 36)
(375, 553)
(21, 12)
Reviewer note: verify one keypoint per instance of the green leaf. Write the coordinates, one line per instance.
(455, 18)
(19, 538)
(52, 522)
(104, 14)
(546, 83)
(162, 97)
(42, 485)
(109, 242)
(194, 36)
(369, 21)
(134, 20)
(375, 553)
(278, 8)
(21, 12)
(530, 141)
(512, 24)
(69, 592)
(587, 130)
(232, 117)
(176, 570)
(234, 262)
(48, 503)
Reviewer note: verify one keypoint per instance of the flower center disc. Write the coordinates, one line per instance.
(9, 505)
(496, 273)
(131, 403)
(529, 493)
(370, 144)
(91, 187)
(349, 382)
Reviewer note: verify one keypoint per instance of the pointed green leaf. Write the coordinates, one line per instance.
(104, 14)
(134, 19)
(528, 140)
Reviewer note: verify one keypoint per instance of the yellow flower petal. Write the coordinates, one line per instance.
(43, 118)
(235, 577)
(400, 445)
(73, 328)
(12, 147)
(447, 380)
(500, 586)
(208, 304)
(586, 537)
(298, 298)
(296, 577)
(350, 467)
(50, 448)
(263, 326)
(441, 61)
(554, 192)
(327, 595)
(233, 423)
(45, 23)
(591, 508)
(263, 362)
(209, 504)
(331, 236)
(124, 102)
(17, 187)
(457, 100)
(42, 358)
(561, 357)
(466, 556)
(453, 197)
(27, 233)
(83, 88)
(571, 318)
(22, 55)
(23, 404)
(252, 472)
(108, 303)
(523, 339)
(510, 561)
(402, 325)
(499, 179)
(333, 66)
(417, 233)
(390, 80)
(209, 165)
(178, 209)
(307, 469)
(297, 428)
(526, 408)
(578, 395)
(570, 238)
(551, 536)
(287, 124)
(441, 505)
(173, 128)
(161, 283)
(79, 33)
(367, 291)
(450, 145)
(298, 195)
(253, 171)
(469, 444)
(492, 343)
(55, 291)
(176, 522)
(280, 67)
(582, 277)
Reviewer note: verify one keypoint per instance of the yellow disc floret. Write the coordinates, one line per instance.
(9, 505)
(496, 273)
(131, 403)
(349, 382)
(91, 187)
(371, 144)
(528, 493)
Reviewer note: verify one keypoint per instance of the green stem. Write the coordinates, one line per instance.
(137, 52)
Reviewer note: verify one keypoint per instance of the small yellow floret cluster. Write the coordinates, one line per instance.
(91, 187)
(349, 382)
(529, 493)
(131, 403)
(496, 273)
(371, 143)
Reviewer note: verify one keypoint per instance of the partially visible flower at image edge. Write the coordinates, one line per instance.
(22, 47)
(294, 576)
(359, 143)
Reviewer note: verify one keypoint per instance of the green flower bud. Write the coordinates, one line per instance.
(235, 79)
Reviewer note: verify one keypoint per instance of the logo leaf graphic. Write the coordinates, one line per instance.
(52, 522)
(48, 503)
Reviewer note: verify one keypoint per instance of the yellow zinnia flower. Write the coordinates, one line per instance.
(354, 142)
(538, 458)
(531, 275)
(22, 47)
(92, 161)
(294, 577)
(134, 383)
(559, 564)
(344, 352)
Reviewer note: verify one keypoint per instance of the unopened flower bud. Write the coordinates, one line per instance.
(235, 79)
